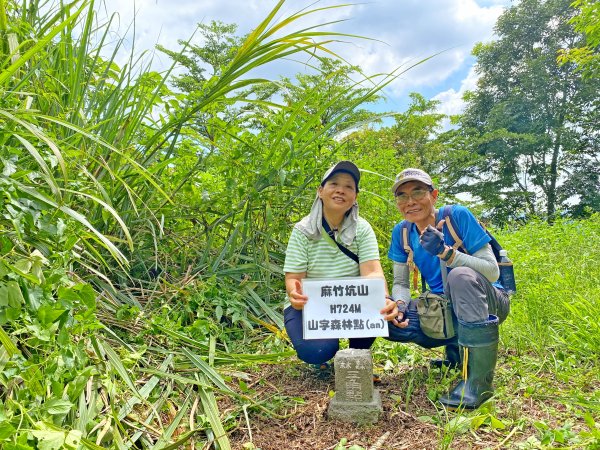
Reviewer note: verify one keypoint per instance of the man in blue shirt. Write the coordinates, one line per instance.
(468, 278)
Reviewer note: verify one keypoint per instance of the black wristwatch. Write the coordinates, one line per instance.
(448, 255)
(401, 305)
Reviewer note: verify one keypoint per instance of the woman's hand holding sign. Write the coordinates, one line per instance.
(294, 287)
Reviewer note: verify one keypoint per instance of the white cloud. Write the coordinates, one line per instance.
(451, 100)
(414, 30)
(403, 32)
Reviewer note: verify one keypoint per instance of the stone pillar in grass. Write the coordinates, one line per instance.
(355, 399)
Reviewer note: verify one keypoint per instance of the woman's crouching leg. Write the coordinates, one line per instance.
(312, 351)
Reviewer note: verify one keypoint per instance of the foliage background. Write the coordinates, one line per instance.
(144, 222)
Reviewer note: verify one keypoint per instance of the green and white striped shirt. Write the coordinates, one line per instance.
(321, 258)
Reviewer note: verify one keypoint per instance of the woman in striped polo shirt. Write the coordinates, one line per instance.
(312, 253)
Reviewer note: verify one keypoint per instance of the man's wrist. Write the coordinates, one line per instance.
(401, 305)
(446, 255)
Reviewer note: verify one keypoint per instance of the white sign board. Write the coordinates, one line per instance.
(344, 308)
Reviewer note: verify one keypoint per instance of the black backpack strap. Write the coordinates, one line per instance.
(349, 253)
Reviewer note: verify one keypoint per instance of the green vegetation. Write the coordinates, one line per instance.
(548, 365)
(531, 118)
(143, 227)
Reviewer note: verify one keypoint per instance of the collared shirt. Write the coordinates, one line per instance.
(321, 258)
(473, 235)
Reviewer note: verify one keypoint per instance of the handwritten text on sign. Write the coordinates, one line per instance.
(344, 308)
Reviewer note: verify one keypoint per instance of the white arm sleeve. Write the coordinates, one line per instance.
(401, 286)
(483, 261)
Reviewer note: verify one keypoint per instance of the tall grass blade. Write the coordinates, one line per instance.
(270, 312)
(45, 169)
(145, 391)
(114, 251)
(118, 366)
(208, 371)
(42, 137)
(209, 403)
(40, 44)
(8, 344)
(166, 436)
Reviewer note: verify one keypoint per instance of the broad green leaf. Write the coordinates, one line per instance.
(48, 314)
(14, 295)
(497, 424)
(57, 406)
(37, 271)
(24, 274)
(83, 293)
(49, 439)
(87, 295)
(23, 265)
(477, 421)
(35, 295)
(458, 425)
(73, 438)
(6, 430)
(68, 293)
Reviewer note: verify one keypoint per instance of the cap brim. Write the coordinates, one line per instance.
(397, 184)
(343, 166)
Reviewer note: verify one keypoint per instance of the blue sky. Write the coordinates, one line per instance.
(404, 31)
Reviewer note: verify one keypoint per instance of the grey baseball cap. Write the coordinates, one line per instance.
(411, 174)
(343, 166)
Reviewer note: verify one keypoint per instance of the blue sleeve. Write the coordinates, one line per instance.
(396, 252)
(473, 235)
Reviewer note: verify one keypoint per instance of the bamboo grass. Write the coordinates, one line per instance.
(103, 150)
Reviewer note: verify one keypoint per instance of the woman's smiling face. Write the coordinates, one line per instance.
(338, 193)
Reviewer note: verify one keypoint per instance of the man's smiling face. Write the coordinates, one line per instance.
(416, 201)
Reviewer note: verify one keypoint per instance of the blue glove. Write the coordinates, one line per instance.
(432, 240)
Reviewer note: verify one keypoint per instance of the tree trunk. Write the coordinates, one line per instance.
(551, 206)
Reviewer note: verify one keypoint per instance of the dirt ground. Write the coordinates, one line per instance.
(306, 426)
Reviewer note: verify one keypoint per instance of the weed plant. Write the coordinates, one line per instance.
(557, 306)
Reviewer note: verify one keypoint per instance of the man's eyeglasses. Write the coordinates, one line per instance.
(417, 194)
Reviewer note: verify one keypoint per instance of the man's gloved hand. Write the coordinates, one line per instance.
(432, 240)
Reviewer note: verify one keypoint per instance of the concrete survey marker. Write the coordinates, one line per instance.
(355, 399)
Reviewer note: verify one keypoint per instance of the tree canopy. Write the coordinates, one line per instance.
(531, 119)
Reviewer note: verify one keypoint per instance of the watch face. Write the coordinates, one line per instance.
(448, 255)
